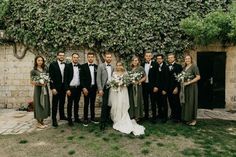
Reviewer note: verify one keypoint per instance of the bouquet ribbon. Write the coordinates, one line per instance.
(42, 96)
(182, 93)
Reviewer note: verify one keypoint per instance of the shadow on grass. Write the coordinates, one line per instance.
(213, 136)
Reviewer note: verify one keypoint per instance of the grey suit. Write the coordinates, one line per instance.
(102, 78)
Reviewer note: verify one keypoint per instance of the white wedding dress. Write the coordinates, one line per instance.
(119, 102)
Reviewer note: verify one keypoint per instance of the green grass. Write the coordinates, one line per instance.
(214, 138)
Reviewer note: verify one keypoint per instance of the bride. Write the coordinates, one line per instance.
(119, 102)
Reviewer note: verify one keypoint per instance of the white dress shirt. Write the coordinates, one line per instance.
(62, 67)
(171, 66)
(91, 68)
(160, 65)
(147, 68)
(108, 72)
(75, 80)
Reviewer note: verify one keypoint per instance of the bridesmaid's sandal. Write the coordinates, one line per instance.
(193, 123)
(40, 126)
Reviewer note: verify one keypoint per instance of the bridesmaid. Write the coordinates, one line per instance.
(135, 91)
(190, 102)
(41, 94)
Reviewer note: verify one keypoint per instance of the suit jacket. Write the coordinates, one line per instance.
(85, 76)
(69, 73)
(173, 83)
(162, 77)
(151, 73)
(102, 76)
(55, 76)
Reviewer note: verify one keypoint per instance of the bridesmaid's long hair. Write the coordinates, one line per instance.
(188, 55)
(133, 58)
(35, 62)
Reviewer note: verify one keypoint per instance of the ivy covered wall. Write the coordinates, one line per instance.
(124, 26)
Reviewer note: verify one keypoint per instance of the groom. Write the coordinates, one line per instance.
(104, 73)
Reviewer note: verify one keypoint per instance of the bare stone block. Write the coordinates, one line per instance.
(2, 106)
(9, 106)
(7, 93)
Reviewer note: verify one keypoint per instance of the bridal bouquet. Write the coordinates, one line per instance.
(42, 78)
(135, 76)
(119, 81)
(183, 76)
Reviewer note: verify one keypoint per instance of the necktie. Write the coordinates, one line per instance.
(90, 64)
(62, 63)
(108, 64)
(76, 65)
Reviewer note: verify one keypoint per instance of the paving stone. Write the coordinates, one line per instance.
(12, 123)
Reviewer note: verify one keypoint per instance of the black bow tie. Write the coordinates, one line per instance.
(76, 65)
(62, 62)
(147, 62)
(91, 64)
(108, 64)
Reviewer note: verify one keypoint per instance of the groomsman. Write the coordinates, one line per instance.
(149, 91)
(104, 74)
(56, 73)
(174, 88)
(89, 87)
(73, 88)
(162, 85)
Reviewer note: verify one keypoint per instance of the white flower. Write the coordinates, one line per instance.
(41, 81)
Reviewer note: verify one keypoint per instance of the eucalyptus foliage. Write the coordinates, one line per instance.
(122, 26)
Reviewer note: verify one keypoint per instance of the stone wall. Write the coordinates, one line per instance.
(230, 72)
(14, 78)
(16, 89)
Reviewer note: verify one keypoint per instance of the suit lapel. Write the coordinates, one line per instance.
(88, 70)
(72, 70)
(58, 67)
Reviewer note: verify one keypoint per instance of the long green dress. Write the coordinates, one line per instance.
(41, 98)
(190, 102)
(136, 97)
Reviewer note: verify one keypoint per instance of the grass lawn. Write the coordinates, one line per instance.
(210, 138)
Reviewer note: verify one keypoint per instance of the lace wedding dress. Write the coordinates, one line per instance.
(119, 102)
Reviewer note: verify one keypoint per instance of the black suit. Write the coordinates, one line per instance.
(57, 82)
(86, 82)
(75, 92)
(148, 91)
(162, 85)
(174, 100)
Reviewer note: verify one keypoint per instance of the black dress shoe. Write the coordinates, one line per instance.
(176, 121)
(153, 120)
(102, 126)
(85, 123)
(94, 121)
(163, 120)
(70, 123)
(77, 121)
(54, 124)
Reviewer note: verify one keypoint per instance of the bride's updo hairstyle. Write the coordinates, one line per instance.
(120, 63)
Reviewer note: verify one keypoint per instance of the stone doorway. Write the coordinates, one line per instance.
(212, 67)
